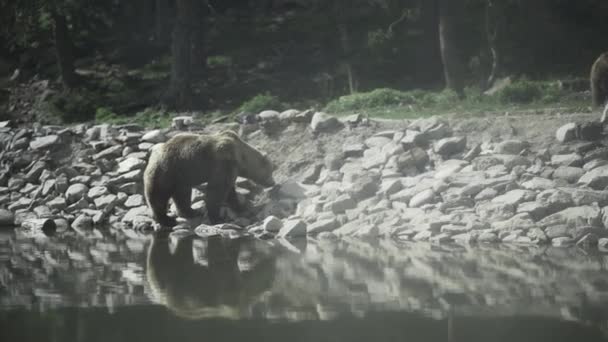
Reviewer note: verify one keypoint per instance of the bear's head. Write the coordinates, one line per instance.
(252, 163)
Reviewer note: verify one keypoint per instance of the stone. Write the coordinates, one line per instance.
(182, 122)
(133, 201)
(511, 147)
(293, 190)
(35, 172)
(562, 241)
(568, 173)
(106, 201)
(154, 136)
(590, 131)
(130, 164)
(76, 192)
(450, 146)
(582, 196)
(322, 122)
(323, 225)
(566, 132)
(362, 188)
(559, 230)
(288, 115)
(377, 141)
(272, 224)
(7, 218)
(422, 198)
(574, 217)
(342, 204)
(109, 153)
(602, 244)
(58, 203)
(268, 115)
(596, 178)
(414, 158)
(572, 159)
(538, 183)
(514, 197)
(45, 142)
(414, 139)
(353, 150)
(97, 191)
(82, 223)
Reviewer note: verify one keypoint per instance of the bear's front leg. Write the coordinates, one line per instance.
(182, 197)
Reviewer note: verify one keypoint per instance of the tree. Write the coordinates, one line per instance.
(179, 93)
(63, 49)
(453, 67)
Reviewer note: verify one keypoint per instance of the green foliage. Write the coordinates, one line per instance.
(148, 118)
(219, 61)
(261, 102)
(382, 97)
(522, 91)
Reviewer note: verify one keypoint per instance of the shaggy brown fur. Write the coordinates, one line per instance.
(187, 160)
(599, 80)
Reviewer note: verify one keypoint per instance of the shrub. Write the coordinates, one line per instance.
(383, 97)
(522, 91)
(259, 103)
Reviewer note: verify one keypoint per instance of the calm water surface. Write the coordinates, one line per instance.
(123, 286)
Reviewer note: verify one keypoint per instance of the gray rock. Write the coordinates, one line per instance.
(272, 224)
(130, 164)
(293, 190)
(132, 176)
(322, 122)
(130, 188)
(7, 218)
(377, 141)
(596, 178)
(106, 202)
(538, 183)
(288, 115)
(574, 217)
(559, 230)
(572, 159)
(590, 131)
(154, 136)
(592, 164)
(293, 228)
(364, 187)
(414, 139)
(566, 132)
(323, 225)
(415, 158)
(342, 204)
(109, 153)
(136, 200)
(581, 196)
(35, 172)
(562, 241)
(76, 192)
(82, 223)
(450, 146)
(353, 150)
(58, 203)
(568, 173)
(514, 197)
(495, 211)
(511, 147)
(182, 122)
(45, 142)
(97, 191)
(422, 198)
(602, 244)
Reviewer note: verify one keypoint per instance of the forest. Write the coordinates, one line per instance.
(79, 60)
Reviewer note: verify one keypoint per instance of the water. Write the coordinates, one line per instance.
(122, 286)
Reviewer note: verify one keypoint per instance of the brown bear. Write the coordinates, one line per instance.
(187, 160)
(599, 80)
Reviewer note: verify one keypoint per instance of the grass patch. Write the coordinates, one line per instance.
(149, 118)
(261, 102)
(520, 95)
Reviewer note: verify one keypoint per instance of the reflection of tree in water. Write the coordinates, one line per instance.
(217, 286)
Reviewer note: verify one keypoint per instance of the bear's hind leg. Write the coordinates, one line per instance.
(216, 196)
(182, 197)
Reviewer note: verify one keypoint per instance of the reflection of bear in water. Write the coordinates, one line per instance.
(188, 160)
(219, 289)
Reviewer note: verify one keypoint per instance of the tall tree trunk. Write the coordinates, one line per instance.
(453, 68)
(64, 50)
(199, 52)
(492, 28)
(161, 21)
(179, 93)
(345, 44)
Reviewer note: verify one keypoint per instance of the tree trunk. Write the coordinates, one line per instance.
(64, 50)
(453, 68)
(492, 27)
(345, 44)
(179, 93)
(160, 21)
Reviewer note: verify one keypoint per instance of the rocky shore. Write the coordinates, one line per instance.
(434, 179)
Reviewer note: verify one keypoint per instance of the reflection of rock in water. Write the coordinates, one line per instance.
(220, 285)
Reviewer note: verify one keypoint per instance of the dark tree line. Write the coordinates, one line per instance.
(357, 44)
